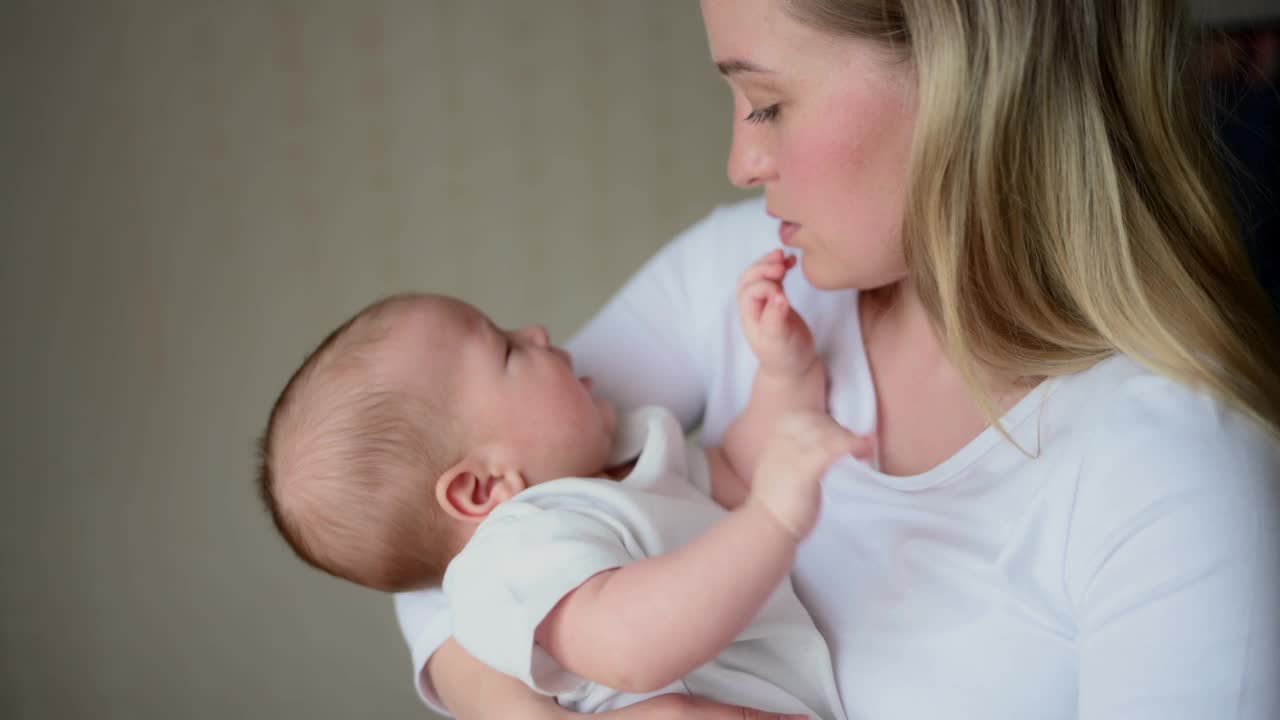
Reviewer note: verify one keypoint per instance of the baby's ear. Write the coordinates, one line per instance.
(469, 491)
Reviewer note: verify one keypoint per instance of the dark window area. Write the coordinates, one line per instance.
(1244, 67)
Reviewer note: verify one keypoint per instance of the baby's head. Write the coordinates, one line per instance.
(408, 425)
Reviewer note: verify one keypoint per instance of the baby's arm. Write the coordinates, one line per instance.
(790, 376)
(642, 626)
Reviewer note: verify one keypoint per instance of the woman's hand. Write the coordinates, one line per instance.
(684, 707)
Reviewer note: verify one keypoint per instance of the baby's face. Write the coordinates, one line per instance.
(512, 386)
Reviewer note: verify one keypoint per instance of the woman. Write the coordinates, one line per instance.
(1019, 266)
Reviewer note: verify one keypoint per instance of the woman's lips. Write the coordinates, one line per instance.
(785, 232)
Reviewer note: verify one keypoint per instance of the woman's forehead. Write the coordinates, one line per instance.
(758, 41)
(744, 29)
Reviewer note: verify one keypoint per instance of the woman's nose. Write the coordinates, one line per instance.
(750, 160)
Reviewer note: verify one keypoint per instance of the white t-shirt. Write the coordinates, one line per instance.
(1130, 571)
(536, 548)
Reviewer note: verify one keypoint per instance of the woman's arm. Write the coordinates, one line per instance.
(473, 691)
(1174, 567)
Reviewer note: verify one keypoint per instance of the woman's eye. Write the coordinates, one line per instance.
(762, 115)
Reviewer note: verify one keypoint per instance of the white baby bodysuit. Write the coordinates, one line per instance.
(540, 545)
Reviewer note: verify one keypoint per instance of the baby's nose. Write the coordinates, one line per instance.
(564, 354)
(537, 334)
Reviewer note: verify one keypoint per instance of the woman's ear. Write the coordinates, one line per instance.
(469, 491)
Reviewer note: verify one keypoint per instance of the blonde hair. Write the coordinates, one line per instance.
(349, 457)
(1065, 201)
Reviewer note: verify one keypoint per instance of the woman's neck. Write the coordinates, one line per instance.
(896, 312)
(896, 315)
(926, 411)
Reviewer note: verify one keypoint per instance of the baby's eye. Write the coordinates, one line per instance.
(763, 114)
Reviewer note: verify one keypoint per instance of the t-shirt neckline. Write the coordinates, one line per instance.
(1013, 422)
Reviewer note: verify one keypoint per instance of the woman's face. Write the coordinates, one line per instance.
(823, 124)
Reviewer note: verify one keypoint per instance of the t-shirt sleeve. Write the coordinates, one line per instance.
(1174, 566)
(520, 563)
(644, 346)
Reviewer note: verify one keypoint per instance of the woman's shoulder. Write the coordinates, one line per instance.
(1138, 409)
(1152, 446)
(731, 234)
(698, 270)
(1170, 481)
(744, 216)
(710, 257)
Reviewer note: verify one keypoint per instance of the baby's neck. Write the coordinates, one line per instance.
(617, 472)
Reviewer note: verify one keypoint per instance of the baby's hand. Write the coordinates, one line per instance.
(788, 479)
(779, 336)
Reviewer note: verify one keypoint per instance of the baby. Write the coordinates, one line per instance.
(420, 445)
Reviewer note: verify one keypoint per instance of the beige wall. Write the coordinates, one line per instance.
(192, 194)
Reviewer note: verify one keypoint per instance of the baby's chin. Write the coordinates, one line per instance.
(608, 415)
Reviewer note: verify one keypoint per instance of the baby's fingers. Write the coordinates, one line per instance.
(774, 315)
(772, 266)
(830, 439)
(840, 441)
(754, 299)
(862, 447)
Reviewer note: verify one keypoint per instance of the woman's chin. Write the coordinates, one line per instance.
(824, 277)
(812, 269)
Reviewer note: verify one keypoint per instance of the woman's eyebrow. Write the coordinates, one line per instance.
(734, 66)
